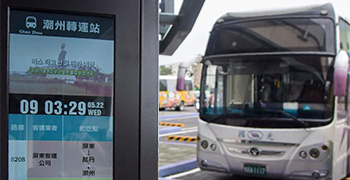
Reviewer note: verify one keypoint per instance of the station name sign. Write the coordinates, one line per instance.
(47, 24)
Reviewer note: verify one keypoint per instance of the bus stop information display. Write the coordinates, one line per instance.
(61, 71)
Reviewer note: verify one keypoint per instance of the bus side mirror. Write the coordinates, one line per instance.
(341, 66)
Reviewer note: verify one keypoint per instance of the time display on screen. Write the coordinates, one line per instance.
(51, 105)
(58, 108)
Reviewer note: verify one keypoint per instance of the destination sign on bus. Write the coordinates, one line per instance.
(61, 79)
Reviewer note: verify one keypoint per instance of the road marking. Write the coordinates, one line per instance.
(178, 143)
(172, 124)
(183, 173)
(185, 130)
(178, 115)
(190, 128)
(183, 138)
(174, 119)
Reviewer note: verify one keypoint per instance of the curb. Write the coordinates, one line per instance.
(169, 130)
(172, 124)
(170, 169)
(183, 138)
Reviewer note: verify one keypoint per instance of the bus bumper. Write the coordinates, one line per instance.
(278, 169)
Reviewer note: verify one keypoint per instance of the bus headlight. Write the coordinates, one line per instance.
(204, 144)
(303, 154)
(315, 153)
(213, 147)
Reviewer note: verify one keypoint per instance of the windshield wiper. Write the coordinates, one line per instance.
(223, 116)
(305, 124)
(216, 118)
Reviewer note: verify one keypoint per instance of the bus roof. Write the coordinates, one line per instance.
(305, 10)
(227, 38)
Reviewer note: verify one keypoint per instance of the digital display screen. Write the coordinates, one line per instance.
(61, 79)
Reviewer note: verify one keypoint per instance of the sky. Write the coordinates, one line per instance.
(196, 41)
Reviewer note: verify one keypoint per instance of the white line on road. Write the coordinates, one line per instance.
(184, 130)
(184, 173)
(190, 128)
(178, 118)
(178, 143)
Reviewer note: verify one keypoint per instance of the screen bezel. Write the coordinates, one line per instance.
(129, 47)
(17, 17)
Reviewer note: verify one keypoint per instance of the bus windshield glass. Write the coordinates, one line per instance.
(256, 91)
(271, 35)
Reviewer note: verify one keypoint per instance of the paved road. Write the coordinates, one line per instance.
(177, 151)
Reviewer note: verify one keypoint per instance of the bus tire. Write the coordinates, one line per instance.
(181, 106)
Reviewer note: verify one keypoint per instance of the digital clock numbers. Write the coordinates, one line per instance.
(57, 107)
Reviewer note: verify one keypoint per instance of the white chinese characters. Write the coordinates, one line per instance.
(71, 26)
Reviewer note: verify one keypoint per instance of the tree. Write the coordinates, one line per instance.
(165, 70)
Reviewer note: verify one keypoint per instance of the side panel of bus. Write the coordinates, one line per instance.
(188, 96)
(169, 97)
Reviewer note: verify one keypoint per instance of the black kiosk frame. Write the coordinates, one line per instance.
(135, 108)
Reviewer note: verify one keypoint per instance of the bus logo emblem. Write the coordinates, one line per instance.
(254, 151)
(255, 135)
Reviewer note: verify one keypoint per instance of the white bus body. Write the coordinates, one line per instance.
(277, 111)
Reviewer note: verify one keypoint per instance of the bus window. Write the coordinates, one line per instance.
(288, 35)
(344, 28)
(208, 93)
(249, 86)
(188, 85)
(171, 85)
(162, 85)
(241, 91)
(343, 106)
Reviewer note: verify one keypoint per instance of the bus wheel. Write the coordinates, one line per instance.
(181, 107)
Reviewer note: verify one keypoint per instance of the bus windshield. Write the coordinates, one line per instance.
(271, 35)
(256, 91)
